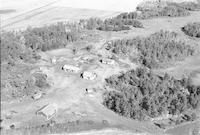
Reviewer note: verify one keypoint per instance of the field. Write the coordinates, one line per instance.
(81, 111)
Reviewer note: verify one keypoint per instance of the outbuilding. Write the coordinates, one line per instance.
(107, 61)
(53, 60)
(49, 111)
(71, 68)
(37, 95)
(89, 75)
(89, 90)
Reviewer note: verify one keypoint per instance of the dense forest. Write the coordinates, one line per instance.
(24, 45)
(169, 9)
(154, 50)
(13, 48)
(140, 94)
(49, 37)
(125, 21)
(192, 29)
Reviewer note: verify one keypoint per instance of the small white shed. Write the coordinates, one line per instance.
(71, 68)
(107, 61)
(89, 75)
(37, 95)
(53, 60)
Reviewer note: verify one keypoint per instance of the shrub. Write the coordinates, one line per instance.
(192, 29)
(41, 80)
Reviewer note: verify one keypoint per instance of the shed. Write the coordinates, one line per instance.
(89, 75)
(107, 61)
(37, 95)
(71, 68)
(49, 111)
(89, 90)
(53, 60)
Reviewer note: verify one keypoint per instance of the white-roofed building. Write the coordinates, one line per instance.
(49, 111)
(89, 75)
(107, 61)
(71, 68)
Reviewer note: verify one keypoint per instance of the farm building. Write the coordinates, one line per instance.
(53, 60)
(107, 61)
(85, 59)
(71, 68)
(89, 90)
(89, 75)
(37, 95)
(49, 111)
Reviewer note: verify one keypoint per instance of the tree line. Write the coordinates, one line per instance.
(169, 9)
(126, 20)
(111, 24)
(154, 50)
(49, 37)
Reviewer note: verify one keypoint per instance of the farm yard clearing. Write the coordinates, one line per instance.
(71, 82)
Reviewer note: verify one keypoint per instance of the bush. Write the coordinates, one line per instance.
(192, 29)
(41, 80)
(140, 94)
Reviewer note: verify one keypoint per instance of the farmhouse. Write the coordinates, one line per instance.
(71, 68)
(49, 111)
(89, 75)
(107, 61)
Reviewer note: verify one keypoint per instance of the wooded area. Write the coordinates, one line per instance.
(158, 48)
(140, 94)
(192, 29)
